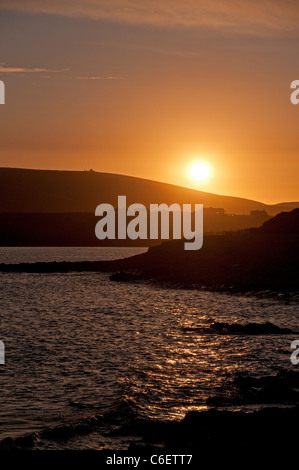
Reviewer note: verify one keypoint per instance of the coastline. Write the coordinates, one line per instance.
(197, 431)
(251, 263)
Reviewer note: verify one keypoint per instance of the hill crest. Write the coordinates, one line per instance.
(28, 190)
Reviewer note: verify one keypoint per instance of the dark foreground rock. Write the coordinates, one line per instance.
(213, 430)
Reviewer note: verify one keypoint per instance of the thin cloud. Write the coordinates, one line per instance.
(6, 69)
(234, 16)
(99, 78)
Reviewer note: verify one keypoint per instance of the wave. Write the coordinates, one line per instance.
(119, 414)
(196, 428)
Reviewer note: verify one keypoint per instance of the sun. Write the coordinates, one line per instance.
(200, 171)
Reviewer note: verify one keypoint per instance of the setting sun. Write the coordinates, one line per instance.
(200, 171)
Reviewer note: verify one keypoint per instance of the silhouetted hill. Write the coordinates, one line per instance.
(24, 190)
(78, 228)
(55, 229)
(286, 206)
(283, 223)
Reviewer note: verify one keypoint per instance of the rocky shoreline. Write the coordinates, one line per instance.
(263, 260)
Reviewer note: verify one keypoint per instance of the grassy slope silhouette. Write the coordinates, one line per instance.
(43, 191)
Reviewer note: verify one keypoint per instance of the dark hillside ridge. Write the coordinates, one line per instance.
(42, 191)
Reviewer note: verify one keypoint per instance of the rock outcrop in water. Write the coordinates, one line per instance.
(281, 388)
(224, 328)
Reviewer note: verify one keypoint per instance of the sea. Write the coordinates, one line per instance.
(84, 355)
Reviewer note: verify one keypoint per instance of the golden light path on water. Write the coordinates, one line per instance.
(87, 346)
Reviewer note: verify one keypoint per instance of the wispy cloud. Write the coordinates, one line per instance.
(21, 70)
(94, 77)
(7, 69)
(235, 16)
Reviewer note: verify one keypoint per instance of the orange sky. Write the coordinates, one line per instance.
(143, 88)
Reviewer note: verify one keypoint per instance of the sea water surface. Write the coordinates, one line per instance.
(80, 346)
